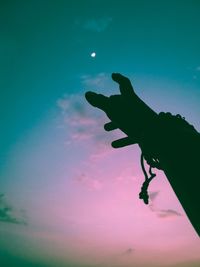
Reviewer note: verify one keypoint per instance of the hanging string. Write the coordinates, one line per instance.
(144, 189)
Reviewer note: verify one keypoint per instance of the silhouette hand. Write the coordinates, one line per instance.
(126, 111)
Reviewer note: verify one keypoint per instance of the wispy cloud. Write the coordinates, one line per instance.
(129, 251)
(161, 213)
(153, 195)
(92, 184)
(164, 213)
(99, 81)
(168, 213)
(83, 122)
(76, 116)
(84, 125)
(94, 24)
(8, 213)
(196, 73)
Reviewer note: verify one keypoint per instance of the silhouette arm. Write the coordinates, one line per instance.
(165, 144)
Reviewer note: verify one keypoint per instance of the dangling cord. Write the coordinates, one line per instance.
(144, 189)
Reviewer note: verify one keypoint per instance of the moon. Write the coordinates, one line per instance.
(93, 54)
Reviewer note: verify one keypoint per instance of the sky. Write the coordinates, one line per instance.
(67, 198)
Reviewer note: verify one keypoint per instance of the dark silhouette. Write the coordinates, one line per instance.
(167, 142)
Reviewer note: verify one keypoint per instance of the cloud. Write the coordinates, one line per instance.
(153, 195)
(164, 213)
(99, 81)
(83, 122)
(196, 74)
(8, 214)
(168, 213)
(96, 25)
(76, 116)
(90, 183)
(129, 251)
(161, 213)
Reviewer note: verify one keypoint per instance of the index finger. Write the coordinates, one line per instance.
(97, 100)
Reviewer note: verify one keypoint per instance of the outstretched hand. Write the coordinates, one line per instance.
(126, 111)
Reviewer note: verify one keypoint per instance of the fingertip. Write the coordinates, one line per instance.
(116, 76)
(96, 100)
(114, 145)
(89, 94)
(91, 97)
(110, 126)
(125, 141)
(113, 75)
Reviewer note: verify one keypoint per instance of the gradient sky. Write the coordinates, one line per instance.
(66, 197)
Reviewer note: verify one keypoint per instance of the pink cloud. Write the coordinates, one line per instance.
(83, 125)
(88, 182)
(76, 117)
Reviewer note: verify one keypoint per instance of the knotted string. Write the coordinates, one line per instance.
(144, 189)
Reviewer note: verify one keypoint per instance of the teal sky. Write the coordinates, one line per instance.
(45, 68)
(45, 47)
